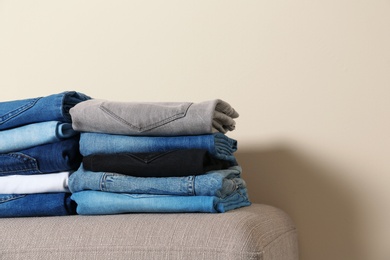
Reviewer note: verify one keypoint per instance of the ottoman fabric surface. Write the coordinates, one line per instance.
(254, 232)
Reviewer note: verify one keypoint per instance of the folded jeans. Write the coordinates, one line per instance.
(220, 183)
(54, 107)
(37, 183)
(153, 118)
(54, 157)
(36, 134)
(156, 164)
(100, 202)
(218, 145)
(36, 205)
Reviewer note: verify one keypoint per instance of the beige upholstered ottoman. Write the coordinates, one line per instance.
(254, 232)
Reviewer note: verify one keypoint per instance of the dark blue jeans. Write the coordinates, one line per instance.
(218, 145)
(183, 162)
(55, 157)
(35, 205)
(41, 109)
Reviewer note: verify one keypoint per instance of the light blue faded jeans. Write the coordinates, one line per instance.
(100, 202)
(220, 183)
(218, 145)
(28, 136)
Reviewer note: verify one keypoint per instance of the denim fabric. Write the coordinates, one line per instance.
(28, 136)
(157, 164)
(220, 183)
(54, 157)
(34, 110)
(100, 202)
(218, 145)
(36, 205)
(153, 118)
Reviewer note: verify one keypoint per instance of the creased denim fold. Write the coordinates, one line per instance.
(153, 118)
(217, 144)
(220, 183)
(100, 202)
(36, 134)
(181, 162)
(36, 205)
(54, 157)
(54, 107)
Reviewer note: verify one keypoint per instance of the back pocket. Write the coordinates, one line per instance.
(141, 117)
(17, 163)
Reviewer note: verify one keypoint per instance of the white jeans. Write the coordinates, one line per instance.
(37, 183)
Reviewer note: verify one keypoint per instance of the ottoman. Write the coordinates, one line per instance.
(254, 232)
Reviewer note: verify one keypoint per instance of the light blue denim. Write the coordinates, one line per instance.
(28, 136)
(218, 145)
(220, 183)
(41, 109)
(100, 202)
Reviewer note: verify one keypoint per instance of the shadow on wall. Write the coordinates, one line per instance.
(323, 209)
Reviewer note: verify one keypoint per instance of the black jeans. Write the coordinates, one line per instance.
(162, 164)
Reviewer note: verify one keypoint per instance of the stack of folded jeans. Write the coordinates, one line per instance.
(156, 157)
(38, 151)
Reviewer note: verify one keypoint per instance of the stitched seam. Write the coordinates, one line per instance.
(130, 248)
(103, 182)
(34, 170)
(148, 127)
(17, 111)
(11, 197)
(30, 165)
(155, 157)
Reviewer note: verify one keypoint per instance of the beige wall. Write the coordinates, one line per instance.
(311, 80)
